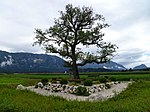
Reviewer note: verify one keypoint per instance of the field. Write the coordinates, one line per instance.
(135, 99)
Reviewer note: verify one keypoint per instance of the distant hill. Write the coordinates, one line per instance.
(29, 63)
(109, 66)
(140, 67)
(43, 63)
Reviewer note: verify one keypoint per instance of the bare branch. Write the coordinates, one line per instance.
(77, 26)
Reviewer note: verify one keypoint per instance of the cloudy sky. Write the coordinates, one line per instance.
(129, 20)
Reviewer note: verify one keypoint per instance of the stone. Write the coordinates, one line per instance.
(20, 87)
(40, 84)
(49, 84)
(64, 88)
(58, 82)
(97, 92)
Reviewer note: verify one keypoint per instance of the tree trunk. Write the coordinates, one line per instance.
(75, 72)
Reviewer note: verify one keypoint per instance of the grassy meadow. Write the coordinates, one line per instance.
(135, 99)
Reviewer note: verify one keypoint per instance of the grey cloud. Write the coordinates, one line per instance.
(27, 47)
(130, 58)
(129, 13)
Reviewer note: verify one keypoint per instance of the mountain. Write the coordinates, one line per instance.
(29, 63)
(108, 66)
(43, 63)
(139, 67)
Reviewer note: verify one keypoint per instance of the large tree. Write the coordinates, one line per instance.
(74, 28)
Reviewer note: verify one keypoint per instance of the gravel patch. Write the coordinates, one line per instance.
(102, 95)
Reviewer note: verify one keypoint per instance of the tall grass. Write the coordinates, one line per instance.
(128, 77)
(117, 75)
(135, 99)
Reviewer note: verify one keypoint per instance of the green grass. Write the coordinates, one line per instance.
(37, 76)
(33, 76)
(4, 81)
(15, 81)
(130, 76)
(117, 75)
(135, 99)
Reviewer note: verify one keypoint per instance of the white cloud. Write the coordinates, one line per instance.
(129, 22)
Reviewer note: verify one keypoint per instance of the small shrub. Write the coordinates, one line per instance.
(44, 81)
(73, 84)
(96, 82)
(107, 86)
(112, 79)
(54, 80)
(75, 80)
(63, 81)
(87, 82)
(102, 80)
(82, 91)
(36, 86)
(107, 77)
